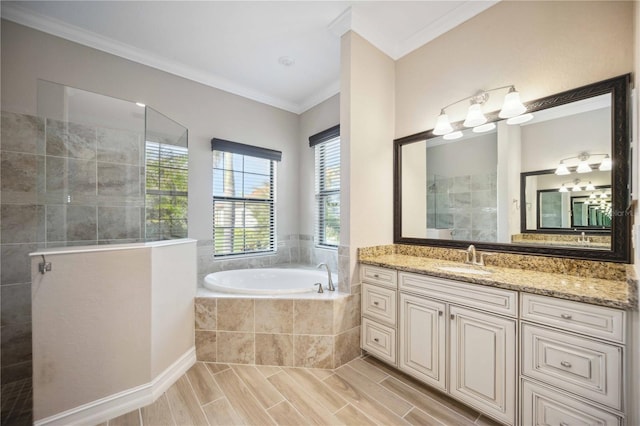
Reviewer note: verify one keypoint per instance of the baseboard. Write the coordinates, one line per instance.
(111, 406)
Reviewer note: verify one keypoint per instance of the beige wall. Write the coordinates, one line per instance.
(316, 119)
(541, 47)
(367, 105)
(28, 55)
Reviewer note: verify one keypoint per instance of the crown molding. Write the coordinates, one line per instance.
(447, 22)
(320, 96)
(22, 16)
(452, 19)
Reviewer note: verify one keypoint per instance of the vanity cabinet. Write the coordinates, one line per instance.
(448, 341)
(379, 312)
(572, 362)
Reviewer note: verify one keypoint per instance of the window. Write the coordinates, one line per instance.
(166, 178)
(243, 198)
(327, 187)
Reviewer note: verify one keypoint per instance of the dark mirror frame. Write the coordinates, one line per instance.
(619, 88)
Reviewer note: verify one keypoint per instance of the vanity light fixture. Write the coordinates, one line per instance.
(484, 128)
(576, 186)
(583, 163)
(563, 189)
(603, 195)
(520, 119)
(512, 108)
(453, 135)
(590, 187)
(593, 195)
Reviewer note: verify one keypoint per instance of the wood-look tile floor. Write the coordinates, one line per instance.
(362, 392)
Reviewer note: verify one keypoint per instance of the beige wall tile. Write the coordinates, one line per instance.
(313, 351)
(274, 316)
(235, 314)
(346, 313)
(206, 345)
(274, 349)
(346, 346)
(237, 348)
(205, 313)
(313, 317)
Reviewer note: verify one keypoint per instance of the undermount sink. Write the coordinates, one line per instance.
(464, 270)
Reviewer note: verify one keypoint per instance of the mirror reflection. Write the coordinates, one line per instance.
(543, 182)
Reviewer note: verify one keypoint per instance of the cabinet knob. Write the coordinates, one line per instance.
(566, 364)
(565, 316)
(452, 316)
(376, 340)
(439, 313)
(376, 303)
(376, 276)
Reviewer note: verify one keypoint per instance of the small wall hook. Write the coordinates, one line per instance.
(44, 266)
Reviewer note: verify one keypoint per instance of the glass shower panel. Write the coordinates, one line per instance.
(167, 166)
(91, 183)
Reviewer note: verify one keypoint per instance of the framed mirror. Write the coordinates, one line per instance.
(557, 185)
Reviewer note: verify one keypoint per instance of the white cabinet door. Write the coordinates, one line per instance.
(423, 339)
(483, 362)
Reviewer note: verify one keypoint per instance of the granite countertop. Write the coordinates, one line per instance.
(615, 293)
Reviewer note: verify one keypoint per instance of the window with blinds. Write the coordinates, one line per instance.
(327, 158)
(166, 179)
(243, 204)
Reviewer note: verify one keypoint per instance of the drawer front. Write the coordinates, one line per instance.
(379, 340)
(596, 321)
(544, 406)
(588, 368)
(379, 303)
(380, 276)
(491, 299)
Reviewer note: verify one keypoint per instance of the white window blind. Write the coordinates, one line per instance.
(327, 188)
(166, 182)
(243, 204)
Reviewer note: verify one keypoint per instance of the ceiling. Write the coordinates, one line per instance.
(236, 46)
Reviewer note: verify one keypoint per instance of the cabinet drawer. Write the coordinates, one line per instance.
(490, 299)
(586, 367)
(379, 340)
(544, 406)
(379, 303)
(381, 276)
(596, 321)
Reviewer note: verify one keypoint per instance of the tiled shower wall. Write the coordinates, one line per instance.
(102, 171)
(467, 204)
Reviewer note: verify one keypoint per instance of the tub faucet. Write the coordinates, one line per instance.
(329, 280)
(471, 255)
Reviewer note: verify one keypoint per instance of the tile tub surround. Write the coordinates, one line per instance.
(613, 285)
(314, 333)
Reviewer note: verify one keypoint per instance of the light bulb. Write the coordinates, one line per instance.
(593, 195)
(576, 188)
(443, 126)
(606, 164)
(562, 169)
(590, 187)
(519, 119)
(484, 128)
(583, 167)
(475, 117)
(563, 189)
(453, 135)
(512, 106)
(603, 195)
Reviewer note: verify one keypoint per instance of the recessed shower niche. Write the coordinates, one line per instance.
(111, 171)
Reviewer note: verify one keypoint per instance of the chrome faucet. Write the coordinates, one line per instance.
(329, 280)
(583, 239)
(471, 255)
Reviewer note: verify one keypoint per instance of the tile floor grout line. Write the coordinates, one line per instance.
(252, 392)
(328, 388)
(195, 395)
(254, 395)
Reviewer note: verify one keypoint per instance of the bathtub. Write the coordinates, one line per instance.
(267, 281)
